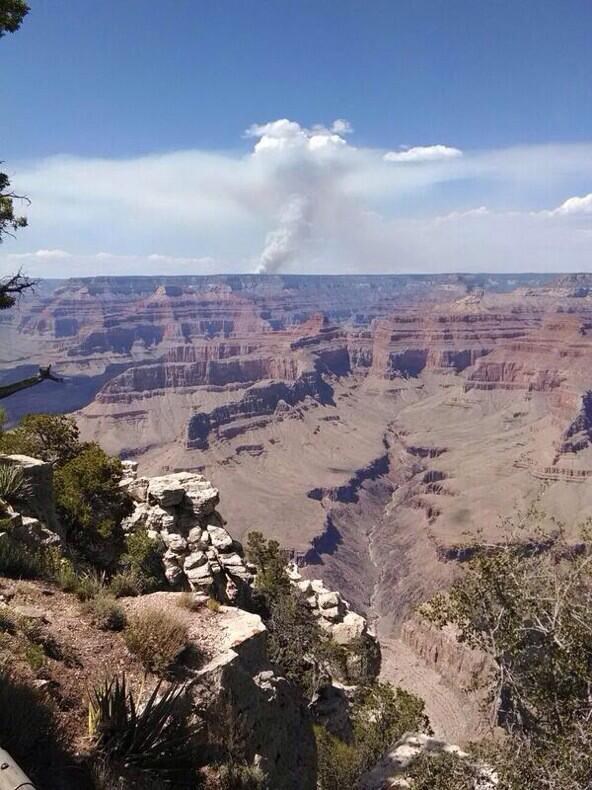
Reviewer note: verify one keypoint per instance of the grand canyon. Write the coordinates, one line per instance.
(373, 423)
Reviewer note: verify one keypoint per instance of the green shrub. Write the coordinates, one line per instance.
(124, 584)
(442, 772)
(34, 656)
(91, 504)
(338, 763)
(90, 585)
(107, 613)
(156, 638)
(18, 561)
(294, 635)
(270, 563)
(381, 715)
(61, 570)
(49, 437)
(142, 559)
(237, 776)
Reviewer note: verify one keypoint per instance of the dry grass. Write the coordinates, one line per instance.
(189, 601)
(213, 605)
(156, 639)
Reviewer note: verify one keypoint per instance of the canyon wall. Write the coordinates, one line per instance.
(374, 423)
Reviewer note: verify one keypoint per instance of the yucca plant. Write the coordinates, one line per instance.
(13, 485)
(154, 737)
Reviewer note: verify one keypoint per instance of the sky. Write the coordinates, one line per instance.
(340, 136)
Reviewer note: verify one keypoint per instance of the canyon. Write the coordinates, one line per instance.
(374, 424)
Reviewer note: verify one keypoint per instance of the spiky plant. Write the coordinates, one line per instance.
(13, 485)
(154, 737)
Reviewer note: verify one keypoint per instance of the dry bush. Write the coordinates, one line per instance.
(188, 600)
(155, 638)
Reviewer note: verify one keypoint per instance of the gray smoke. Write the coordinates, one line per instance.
(283, 244)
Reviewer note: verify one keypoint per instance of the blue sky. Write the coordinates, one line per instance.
(125, 122)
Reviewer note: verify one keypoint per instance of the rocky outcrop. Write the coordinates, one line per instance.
(347, 629)
(39, 502)
(34, 520)
(180, 510)
(240, 690)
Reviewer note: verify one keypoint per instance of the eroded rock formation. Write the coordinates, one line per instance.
(180, 510)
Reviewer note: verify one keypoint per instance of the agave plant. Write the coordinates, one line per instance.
(13, 485)
(153, 737)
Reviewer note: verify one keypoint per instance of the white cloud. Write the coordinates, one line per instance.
(459, 215)
(341, 126)
(424, 153)
(283, 135)
(305, 199)
(575, 205)
(44, 254)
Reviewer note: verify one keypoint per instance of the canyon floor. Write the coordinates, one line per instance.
(377, 427)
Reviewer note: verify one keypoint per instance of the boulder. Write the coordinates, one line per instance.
(174, 541)
(160, 519)
(194, 536)
(200, 576)
(137, 519)
(129, 468)
(332, 615)
(40, 503)
(220, 539)
(390, 770)
(137, 488)
(174, 574)
(194, 560)
(167, 490)
(351, 628)
(230, 560)
(32, 532)
(330, 600)
(200, 494)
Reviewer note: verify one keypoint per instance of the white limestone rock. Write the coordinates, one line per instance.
(194, 560)
(200, 494)
(137, 488)
(330, 600)
(129, 468)
(166, 490)
(352, 627)
(220, 539)
(174, 574)
(194, 536)
(160, 519)
(32, 532)
(305, 587)
(137, 518)
(174, 541)
(232, 560)
(200, 576)
(332, 615)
